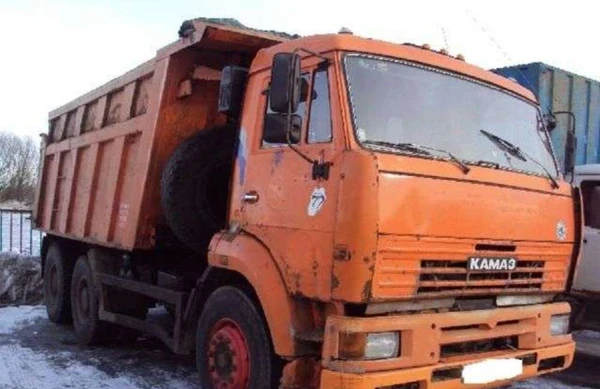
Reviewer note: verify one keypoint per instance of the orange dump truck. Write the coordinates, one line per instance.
(318, 212)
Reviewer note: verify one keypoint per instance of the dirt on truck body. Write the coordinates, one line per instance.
(316, 212)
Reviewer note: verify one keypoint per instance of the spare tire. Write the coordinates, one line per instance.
(195, 186)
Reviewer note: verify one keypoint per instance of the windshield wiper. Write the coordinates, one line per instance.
(420, 149)
(517, 152)
(409, 147)
(505, 145)
(465, 169)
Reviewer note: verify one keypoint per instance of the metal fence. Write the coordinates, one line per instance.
(17, 234)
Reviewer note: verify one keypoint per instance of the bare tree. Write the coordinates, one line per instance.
(18, 167)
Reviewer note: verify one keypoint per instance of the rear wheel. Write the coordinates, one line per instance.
(233, 346)
(85, 305)
(57, 283)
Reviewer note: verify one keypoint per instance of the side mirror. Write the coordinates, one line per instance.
(551, 123)
(231, 90)
(285, 83)
(275, 130)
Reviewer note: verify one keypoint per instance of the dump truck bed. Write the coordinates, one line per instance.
(104, 153)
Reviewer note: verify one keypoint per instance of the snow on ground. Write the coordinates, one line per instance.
(23, 368)
(37, 354)
(12, 318)
(545, 382)
(586, 334)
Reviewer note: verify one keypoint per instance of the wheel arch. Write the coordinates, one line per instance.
(249, 264)
(71, 249)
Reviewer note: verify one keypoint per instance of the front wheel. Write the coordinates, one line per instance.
(233, 348)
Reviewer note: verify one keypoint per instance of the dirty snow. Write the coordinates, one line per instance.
(13, 318)
(545, 383)
(20, 279)
(586, 334)
(37, 354)
(23, 368)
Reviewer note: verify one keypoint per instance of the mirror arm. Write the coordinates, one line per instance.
(319, 169)
(288, 132)
(313, 53)
(572, 115)
(572, 132)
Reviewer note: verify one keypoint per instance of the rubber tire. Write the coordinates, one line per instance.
(58, 306)
(194, 188)
(89, 328)
(231, 303)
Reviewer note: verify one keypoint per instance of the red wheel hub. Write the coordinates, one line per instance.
(228, 356)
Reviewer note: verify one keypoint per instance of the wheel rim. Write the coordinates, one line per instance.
(228, 356)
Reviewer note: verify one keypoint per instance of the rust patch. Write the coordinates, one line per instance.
(301, 373)
(335, 282)
(366, 292)
(224, 260)
(296, 279)
(341, 253)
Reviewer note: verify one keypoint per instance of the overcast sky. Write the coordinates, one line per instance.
(54, 51)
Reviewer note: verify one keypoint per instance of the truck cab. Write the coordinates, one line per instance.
(441, 194)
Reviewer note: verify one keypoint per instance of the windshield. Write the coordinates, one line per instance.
(398, 102)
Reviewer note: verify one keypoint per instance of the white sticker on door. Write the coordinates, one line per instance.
(316, 201)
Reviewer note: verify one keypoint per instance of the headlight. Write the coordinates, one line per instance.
(382, 345)
(361, 346)
(559, 325)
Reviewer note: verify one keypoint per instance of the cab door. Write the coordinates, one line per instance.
(588, 269)
(281, 202)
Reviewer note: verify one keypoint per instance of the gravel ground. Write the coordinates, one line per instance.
(37, 354)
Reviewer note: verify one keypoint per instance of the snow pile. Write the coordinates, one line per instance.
(586, 334)
(20, 279)
(13, 318)
(15, 205)
(545, 382)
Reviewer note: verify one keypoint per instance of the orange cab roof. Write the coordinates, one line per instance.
(352, 43)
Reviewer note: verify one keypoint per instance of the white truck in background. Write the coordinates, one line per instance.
(585, 291)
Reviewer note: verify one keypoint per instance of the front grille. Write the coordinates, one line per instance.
(439, 276)
(479, 346)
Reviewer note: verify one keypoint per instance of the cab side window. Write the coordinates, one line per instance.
(319, 122)
(590, 191)
(317, 112)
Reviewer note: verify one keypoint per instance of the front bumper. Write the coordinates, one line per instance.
(435, 347)
(427, 377)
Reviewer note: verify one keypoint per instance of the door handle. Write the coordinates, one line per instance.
(250, 197)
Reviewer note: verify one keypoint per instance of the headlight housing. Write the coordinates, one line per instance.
(371, 346)
(559, 325)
